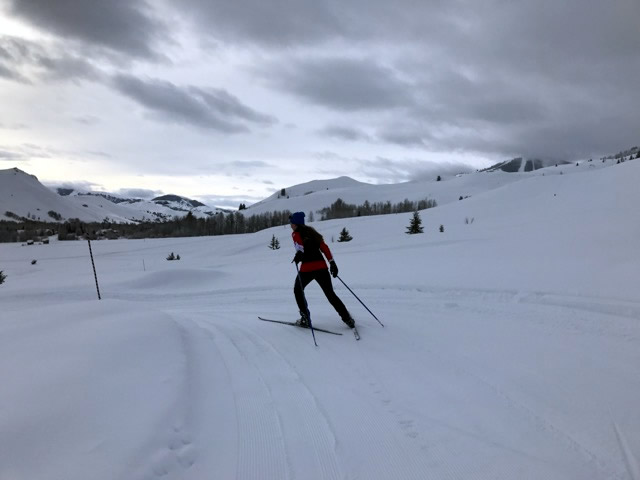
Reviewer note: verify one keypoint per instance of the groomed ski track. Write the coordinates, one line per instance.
(442, 404)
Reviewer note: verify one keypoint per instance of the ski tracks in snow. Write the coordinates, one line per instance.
(282, 431)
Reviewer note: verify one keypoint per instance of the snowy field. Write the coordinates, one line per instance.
(511, 348)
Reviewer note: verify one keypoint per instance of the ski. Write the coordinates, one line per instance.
(294, 324)
(356, 333)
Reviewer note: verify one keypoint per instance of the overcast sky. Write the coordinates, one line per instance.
(227, 101)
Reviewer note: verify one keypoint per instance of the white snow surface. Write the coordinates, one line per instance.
(511, 347)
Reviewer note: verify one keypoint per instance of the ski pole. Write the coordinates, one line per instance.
(338, 277)
(306, 305)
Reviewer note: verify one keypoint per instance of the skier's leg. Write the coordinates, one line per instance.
(298, 290)
(324, 280)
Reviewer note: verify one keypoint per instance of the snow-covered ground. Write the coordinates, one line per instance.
(511, 348)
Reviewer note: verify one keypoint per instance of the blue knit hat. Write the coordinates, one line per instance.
(297, 218)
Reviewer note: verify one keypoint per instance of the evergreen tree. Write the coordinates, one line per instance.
(275, 243)
(344, 236)
(2, 277)
(441, 228)
(416, 224)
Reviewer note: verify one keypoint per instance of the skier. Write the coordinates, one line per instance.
(310, 247)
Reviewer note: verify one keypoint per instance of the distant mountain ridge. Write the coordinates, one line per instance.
(23, 196)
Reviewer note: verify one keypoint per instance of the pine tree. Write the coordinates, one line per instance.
(441, 228)
(344, 236)
(275, 243)
(416, 224)
(2, 277)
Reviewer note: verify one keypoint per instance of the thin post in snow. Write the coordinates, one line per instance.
(95, 275)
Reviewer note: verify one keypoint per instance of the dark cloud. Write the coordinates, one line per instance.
(27, 61)
(344, 133)
(282, 23)
(206, 108)
(124, 26)
(346, 84)
(491, 76)
(275, 23)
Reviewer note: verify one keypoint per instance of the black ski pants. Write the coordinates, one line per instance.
(324, 280)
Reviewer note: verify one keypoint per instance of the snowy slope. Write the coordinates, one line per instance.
(23, 195)
(510, 349)
(313, 196)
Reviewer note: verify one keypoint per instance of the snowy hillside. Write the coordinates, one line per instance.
(24, 196)
(510, 349)
(313, 196)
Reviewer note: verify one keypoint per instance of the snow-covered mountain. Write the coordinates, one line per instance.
(22, 195)
(319, 194)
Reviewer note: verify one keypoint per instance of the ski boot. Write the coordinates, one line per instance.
(351, 323)
(303, 321)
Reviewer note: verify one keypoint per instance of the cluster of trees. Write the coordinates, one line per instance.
(190, 226)
(340, 209)
(187, 226)
(25, 230)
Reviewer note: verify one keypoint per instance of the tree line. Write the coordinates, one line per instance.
(341, 209)
(189, 225)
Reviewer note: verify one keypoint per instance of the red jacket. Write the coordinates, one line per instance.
(311, 253)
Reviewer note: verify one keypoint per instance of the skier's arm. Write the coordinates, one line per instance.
(333, 268)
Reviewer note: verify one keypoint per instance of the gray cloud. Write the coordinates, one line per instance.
(87, 119)
(24, 152)
(493, 76)
(385, 170)
(227, 201)
(206, 108)
(25, 61)
(249, 164)
(123, 26)
(344, 133)
(281, 23)
(12, 156)
(138, 193)
(8, 73)
(78, 186)
(346, 84)
(275, 23)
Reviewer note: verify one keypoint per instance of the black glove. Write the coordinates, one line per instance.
(333, 268)
(298, 257)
